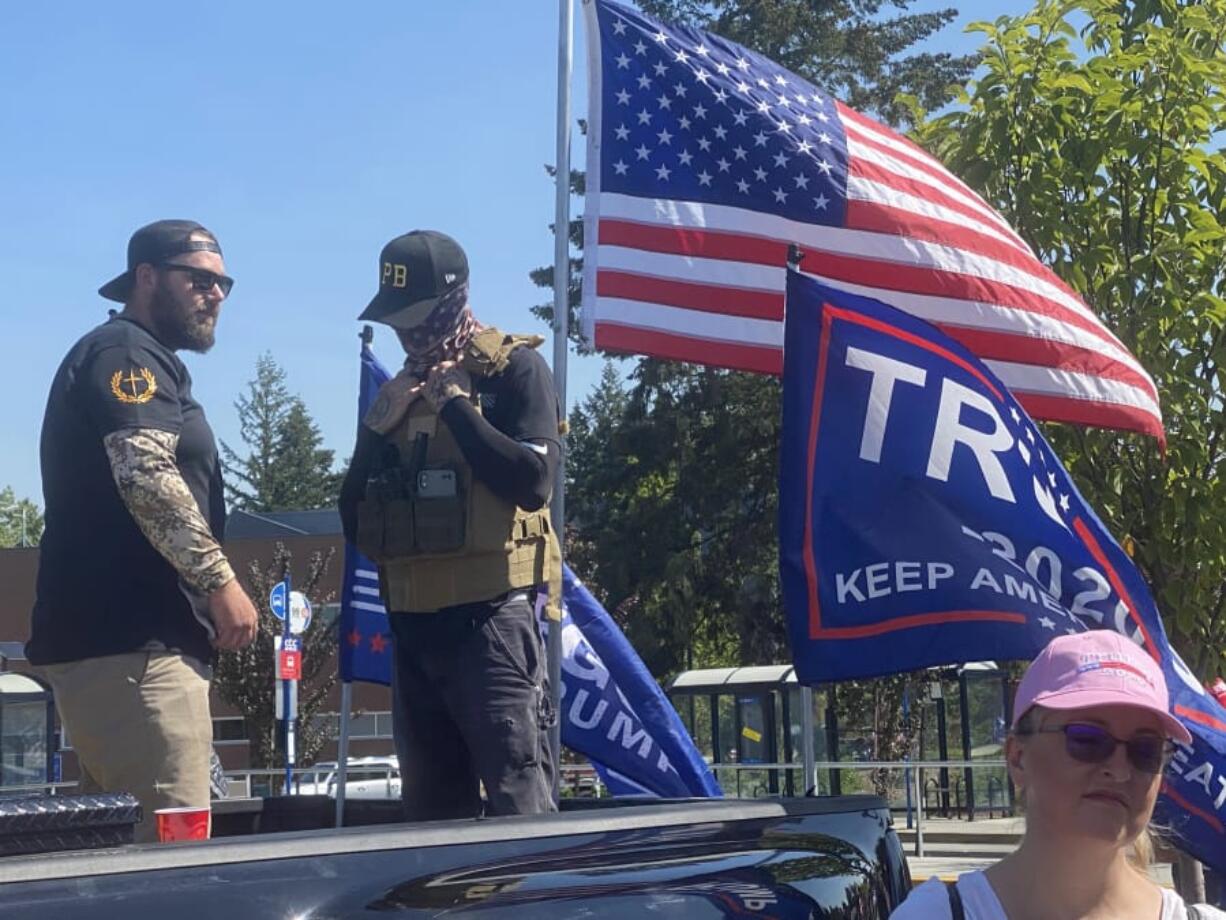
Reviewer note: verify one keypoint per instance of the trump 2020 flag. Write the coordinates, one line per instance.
(924, 520)
(614, 712)
(706, 160)
(365, 636)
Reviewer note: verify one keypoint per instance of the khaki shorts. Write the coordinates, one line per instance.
(139, 723)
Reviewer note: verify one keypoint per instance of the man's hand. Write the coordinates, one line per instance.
(447, 381)
(234, 617)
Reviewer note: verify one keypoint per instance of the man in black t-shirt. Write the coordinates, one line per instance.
(134, 591)
(448, 492)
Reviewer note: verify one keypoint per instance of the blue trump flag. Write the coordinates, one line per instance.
(924, 520)
(614, 712)
(365, 636)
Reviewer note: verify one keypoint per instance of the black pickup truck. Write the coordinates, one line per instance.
(824, 857)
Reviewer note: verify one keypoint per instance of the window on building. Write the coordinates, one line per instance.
(229, 730)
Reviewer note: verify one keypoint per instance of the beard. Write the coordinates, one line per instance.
(181, 323)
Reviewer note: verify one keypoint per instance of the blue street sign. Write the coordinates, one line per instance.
(277, 599)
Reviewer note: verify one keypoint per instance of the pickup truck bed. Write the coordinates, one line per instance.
(813, 857)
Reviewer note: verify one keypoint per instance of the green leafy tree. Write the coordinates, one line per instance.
(285, 468)
(1095, 129)
(21, 521)
(246, 679)
(673, 489)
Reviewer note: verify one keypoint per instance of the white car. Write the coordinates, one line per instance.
(367, 778)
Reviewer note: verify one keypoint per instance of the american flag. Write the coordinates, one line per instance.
(706, 161)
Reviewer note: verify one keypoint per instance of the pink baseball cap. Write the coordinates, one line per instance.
(1096, 668)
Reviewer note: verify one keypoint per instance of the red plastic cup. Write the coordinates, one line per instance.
(189, 823)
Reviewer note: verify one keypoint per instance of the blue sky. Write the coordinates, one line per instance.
(305, 137)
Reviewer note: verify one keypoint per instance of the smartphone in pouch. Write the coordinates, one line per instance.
(439, 511)
(436, 484)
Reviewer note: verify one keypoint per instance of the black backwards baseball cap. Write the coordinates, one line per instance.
(154, 244)
(415, 272)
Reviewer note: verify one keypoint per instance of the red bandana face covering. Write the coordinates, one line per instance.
(444, 333)
(440, 341)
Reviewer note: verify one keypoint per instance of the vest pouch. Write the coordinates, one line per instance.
(440, 511)
(369, 538)
(399, 531)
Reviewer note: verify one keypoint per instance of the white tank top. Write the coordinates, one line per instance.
(930, 901)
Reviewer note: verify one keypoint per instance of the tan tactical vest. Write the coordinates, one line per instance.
(445, 538)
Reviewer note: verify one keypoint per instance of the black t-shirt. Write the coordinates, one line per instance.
(522, 402)
(102, 587)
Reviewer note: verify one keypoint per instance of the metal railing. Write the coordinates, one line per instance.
(577, 780)
(262, 782)
(904, 780)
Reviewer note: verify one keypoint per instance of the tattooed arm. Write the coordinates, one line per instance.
(152, 488)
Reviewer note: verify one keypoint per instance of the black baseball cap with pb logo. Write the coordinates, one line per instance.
(415, 272)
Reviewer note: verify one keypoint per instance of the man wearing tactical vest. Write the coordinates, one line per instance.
(448, 493)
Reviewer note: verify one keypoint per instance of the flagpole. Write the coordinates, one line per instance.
(807, 746)
(366, 337)
(342, 752)
(561, 332)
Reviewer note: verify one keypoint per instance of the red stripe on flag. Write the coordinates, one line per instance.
(938, 282)
(877, 273)
(688, 241)
(967, 238)
(867, 169)
(760, 359)
(1201, 718)
(912, 339)
(991, 344)
(883, 218)
(1096, 414)
(709, 298)
(815, 422)
(918, 158)
(918, 619)
(1209, 818)
(914, 153)
(1091, 543)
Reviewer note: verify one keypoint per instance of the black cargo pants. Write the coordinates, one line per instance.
(471, 704)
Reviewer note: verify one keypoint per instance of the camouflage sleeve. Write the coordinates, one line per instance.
(152, 488)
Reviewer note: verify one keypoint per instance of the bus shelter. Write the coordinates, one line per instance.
(762, 733)
(747, 723)
(27, 733)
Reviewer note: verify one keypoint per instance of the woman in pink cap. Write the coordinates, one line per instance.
(1090, 738)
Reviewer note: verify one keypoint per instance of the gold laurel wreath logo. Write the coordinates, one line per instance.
(134, 394)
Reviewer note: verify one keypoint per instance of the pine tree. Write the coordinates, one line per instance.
(21, 522)
(285, 468)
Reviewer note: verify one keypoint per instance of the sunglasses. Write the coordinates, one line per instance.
(1092, 744)
(202, 279)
